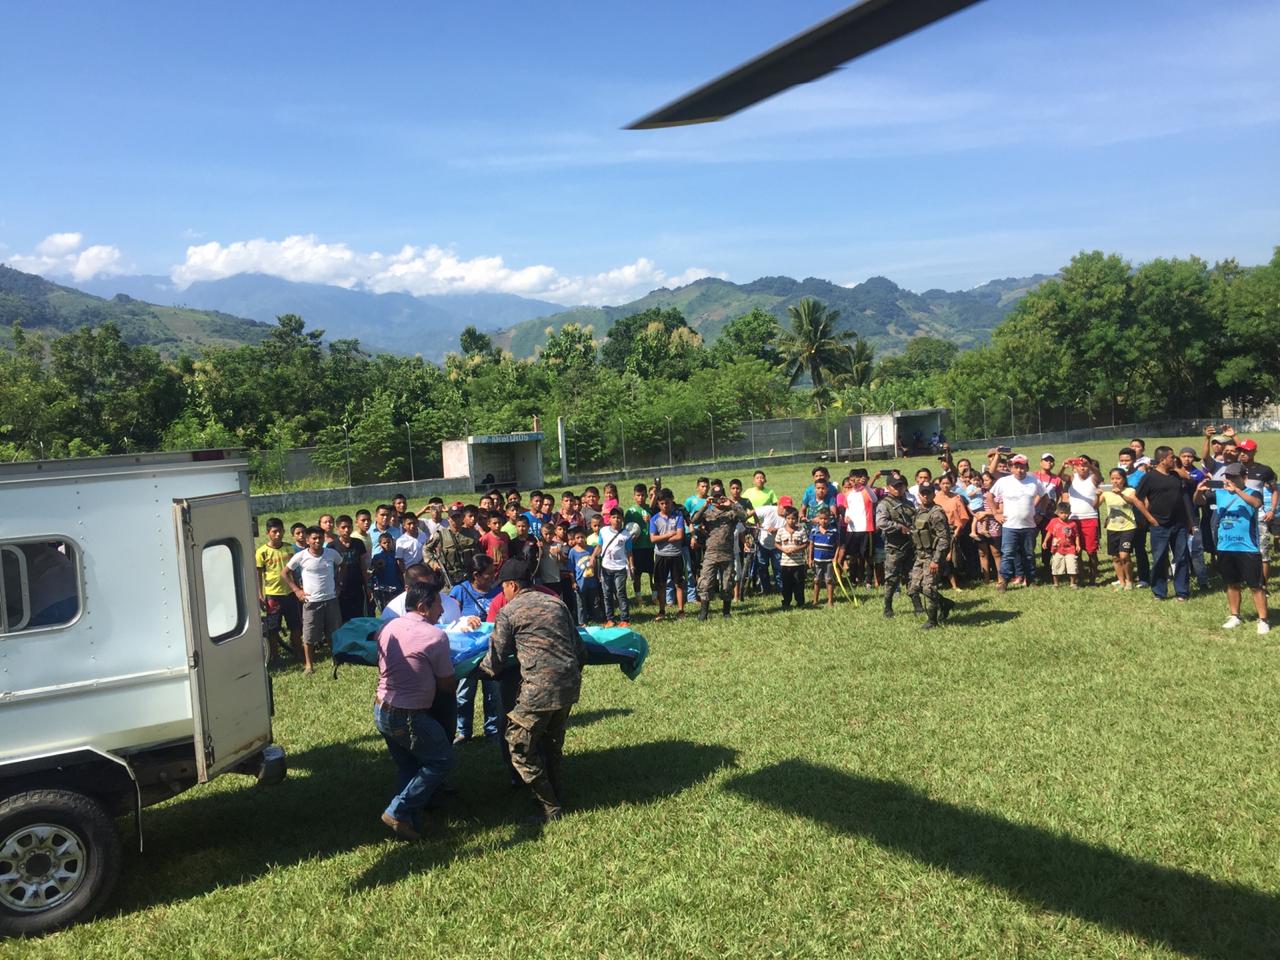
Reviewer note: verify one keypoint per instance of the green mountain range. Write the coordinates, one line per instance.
(878, 310)
(50, 308)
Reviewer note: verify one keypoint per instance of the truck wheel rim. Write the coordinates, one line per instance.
(41, 865)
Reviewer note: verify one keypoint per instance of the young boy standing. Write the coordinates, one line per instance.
(636, 519)
(273, 594)
(386, 574)
(793, 541)
(583, 560)
(1062, 539)
(317, 591)
(353, 574)
(616, 556)
(667, 532)
(364, 520)
(822, 551)
(495, 543)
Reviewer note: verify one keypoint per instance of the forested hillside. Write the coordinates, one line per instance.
(41, 306)
(877, 310)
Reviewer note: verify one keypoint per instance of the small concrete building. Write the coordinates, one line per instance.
(884, 433)
(505, 459)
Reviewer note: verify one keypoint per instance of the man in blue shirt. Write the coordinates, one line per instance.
(806, 498)
(1239, 562)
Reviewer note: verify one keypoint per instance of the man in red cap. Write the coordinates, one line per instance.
(1260, 479)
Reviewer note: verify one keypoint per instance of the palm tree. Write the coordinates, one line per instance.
(815, 347)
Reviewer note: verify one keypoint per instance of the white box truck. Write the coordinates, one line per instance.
(132, 663)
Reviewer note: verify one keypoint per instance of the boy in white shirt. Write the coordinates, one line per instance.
(615, 568)
(318, 592)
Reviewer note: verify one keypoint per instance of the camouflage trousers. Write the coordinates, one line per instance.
(716, 571)
(897, 564)
(536, 740)
(924, 581)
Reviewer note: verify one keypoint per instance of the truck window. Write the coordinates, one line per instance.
(39, 585)
(219, 565)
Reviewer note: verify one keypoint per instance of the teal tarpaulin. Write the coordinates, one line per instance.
(357, 642)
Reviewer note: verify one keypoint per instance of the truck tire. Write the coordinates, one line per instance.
(59, 860)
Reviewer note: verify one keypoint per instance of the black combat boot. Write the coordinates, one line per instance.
(933, 619)
(888, 602)
(917, 605)
(548, 803)
(705, 611)
(728, 605)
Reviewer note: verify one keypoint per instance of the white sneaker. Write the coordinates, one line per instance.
(1232, 623)
(1263, 627)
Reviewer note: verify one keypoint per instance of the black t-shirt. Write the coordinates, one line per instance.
(1260, 474)
(350, 577)
(1163, 493)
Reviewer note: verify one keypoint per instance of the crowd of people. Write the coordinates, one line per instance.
(1166, 521)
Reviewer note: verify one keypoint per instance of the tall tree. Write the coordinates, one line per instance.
(815, 348)
(616, 352)
(753, 334)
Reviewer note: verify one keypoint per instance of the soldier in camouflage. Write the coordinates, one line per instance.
(536, 632)
(451, 548)
(719, 518)
(894, 516)
(931, 538)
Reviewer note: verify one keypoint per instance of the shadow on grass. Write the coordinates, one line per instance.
(1189, 913)
(982, 617)
(587, 717)
(332, 799)
(593, 780)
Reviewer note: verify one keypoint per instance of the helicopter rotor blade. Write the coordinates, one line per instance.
(815, 53)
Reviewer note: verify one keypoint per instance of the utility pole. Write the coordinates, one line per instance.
(409, 430)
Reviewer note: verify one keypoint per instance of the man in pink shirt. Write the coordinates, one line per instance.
(413, 663)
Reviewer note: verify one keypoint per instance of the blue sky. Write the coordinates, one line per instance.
(452, 147)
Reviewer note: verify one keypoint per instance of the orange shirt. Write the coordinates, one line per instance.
(954, 506)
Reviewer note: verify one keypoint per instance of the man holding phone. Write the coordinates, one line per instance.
(1239, 560)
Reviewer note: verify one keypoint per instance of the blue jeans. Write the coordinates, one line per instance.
(1169, 546)
(690, 581)
(589, 603)
(762, 560)
(422, 753)
(1018, 554)
(1196, 546)
(466, 700)
(615, 594)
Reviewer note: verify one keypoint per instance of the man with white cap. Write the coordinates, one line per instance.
(1016, 498)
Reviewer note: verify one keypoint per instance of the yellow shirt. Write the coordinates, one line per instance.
(271, 561)
(1119, 512)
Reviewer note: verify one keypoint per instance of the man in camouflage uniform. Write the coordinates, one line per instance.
(719, 518)
(931, 538)
(894, 516)
(536, 632)
(451, 548)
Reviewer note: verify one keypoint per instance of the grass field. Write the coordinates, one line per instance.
(1056, 774)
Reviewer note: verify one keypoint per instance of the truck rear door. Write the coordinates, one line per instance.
(230, 697)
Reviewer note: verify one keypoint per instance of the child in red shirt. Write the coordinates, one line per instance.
(496, 543)
(1062, 540)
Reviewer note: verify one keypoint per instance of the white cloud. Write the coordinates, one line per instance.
(60, 255)
(420, 270)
